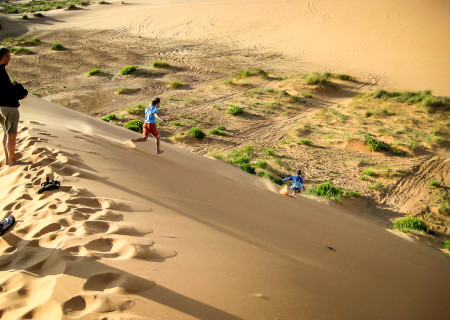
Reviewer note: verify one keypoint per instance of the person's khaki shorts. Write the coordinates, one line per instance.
(9, 118)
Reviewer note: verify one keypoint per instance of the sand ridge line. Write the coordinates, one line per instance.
(40, 247)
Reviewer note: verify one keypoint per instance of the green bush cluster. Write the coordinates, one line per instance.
(319, 79)
(109, 117)
(38, 15)
(410, 224)
(220, 130)
(196, 133)
(329, 190)
(435, 184)
(21, 50)
(94, 72)
(40, 5)
(374, 144)
(135, 125)
(235, 110)
(128, 70)
(447, 244)
(57, 46)
(252, 73)
(306, 142)
(424, 98)
(176, 123)
(160, 64)
(136, 109)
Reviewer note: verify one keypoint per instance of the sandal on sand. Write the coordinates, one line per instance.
(6, 224)
(49, 186)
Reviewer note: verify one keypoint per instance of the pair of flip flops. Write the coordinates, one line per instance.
(49, 185)
(6, 224)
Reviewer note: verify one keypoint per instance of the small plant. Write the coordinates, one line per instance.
(160, 64)
(57, 46)
(15, 10)
(128, 70)
(159, 122)
(368, 172)
(447, 244)
(38, 15)
(329, 190)
(84, 3)
(320, 79)
(21, 50)
(229, 82)
(196, 133)
(111, 116)
(94, 72)
(252, 73)
(398, 152)
(196, 121)
(235, 110)
(71, 7)
(308, 95)
(102, 2)
(435, 184)
(36, 94)
(176, 124)
(221, 128)
(247, 167)
(306, 142)
(261, 164)
(24, 17)
(123, 91)
(175, 84)
(410, 224)
(269, 152)
(375, 145)
(134, 125)
(368, 114)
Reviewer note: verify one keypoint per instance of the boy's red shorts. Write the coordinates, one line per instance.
(148, 128)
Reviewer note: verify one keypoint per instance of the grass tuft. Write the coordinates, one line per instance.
(94, 72)
(410, 224)
(160, 64)
(134, 125)
(329, 190)
(196, 133)
(235, 110)
(128, 70)
(57, 46)
(252, 73)
(175, 84)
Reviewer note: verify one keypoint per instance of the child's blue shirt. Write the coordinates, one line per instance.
(297, 181)
(150, 114)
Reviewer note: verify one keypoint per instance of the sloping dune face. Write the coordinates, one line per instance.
(403, 43)
(131, 234)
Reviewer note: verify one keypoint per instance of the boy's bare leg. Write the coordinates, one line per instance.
(158, 150)
(5, 148)
(144, 138)
(11, 146)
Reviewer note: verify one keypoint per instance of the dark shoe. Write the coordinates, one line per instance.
(49, 186)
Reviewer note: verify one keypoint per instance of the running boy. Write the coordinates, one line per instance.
(297, 181)
(151, 114)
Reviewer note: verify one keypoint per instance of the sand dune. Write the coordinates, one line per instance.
(131, 234)
(404, 44)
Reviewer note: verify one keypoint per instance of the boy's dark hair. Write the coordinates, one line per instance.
(154, 102)
(4, 51)
(299, 172)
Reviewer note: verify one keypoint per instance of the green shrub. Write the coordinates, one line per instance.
(435, 184)
(368, 114)
(444, 210)
(36, 94)
(398, 152)
(21, 50)
(111, 116)
(102, 2)
(196, 133)
(38, 15)
(229, 81)
(13, 10)
(247, 167)
(176, 124)
(94, 71)
(375, 145)
(175, 84)
(71, 7)
(135, 125)
(447, 244)
(221, 128)
(410, 224)
(57, 46)
(161, 64)
(24, 17)
(128, 70)
(84, 3)
(269, 152)
(308, 95)
(104, 119)
(306, 142)
(344, 77)
(252, 73)
(235, 110)
(261, 164)
(319, 79)
(327, 190)
(368, 172)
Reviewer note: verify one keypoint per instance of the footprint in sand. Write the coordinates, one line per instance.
(114, 281)
(53, 227)
(131, 229)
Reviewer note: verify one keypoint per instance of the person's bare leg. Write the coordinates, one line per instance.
(5, 148)
(11, 145)
(158, 150)
(144, 138)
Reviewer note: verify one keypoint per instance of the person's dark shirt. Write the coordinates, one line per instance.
(8, 97)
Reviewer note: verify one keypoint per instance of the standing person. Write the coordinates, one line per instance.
(151, 114)
(297, 181)
(10, 94)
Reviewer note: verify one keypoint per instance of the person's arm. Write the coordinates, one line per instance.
(158, 117)
(288, 178)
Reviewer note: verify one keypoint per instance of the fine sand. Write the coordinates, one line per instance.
(135, 235)
(131, 234)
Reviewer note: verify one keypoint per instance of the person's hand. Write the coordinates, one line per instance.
(24, 97)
